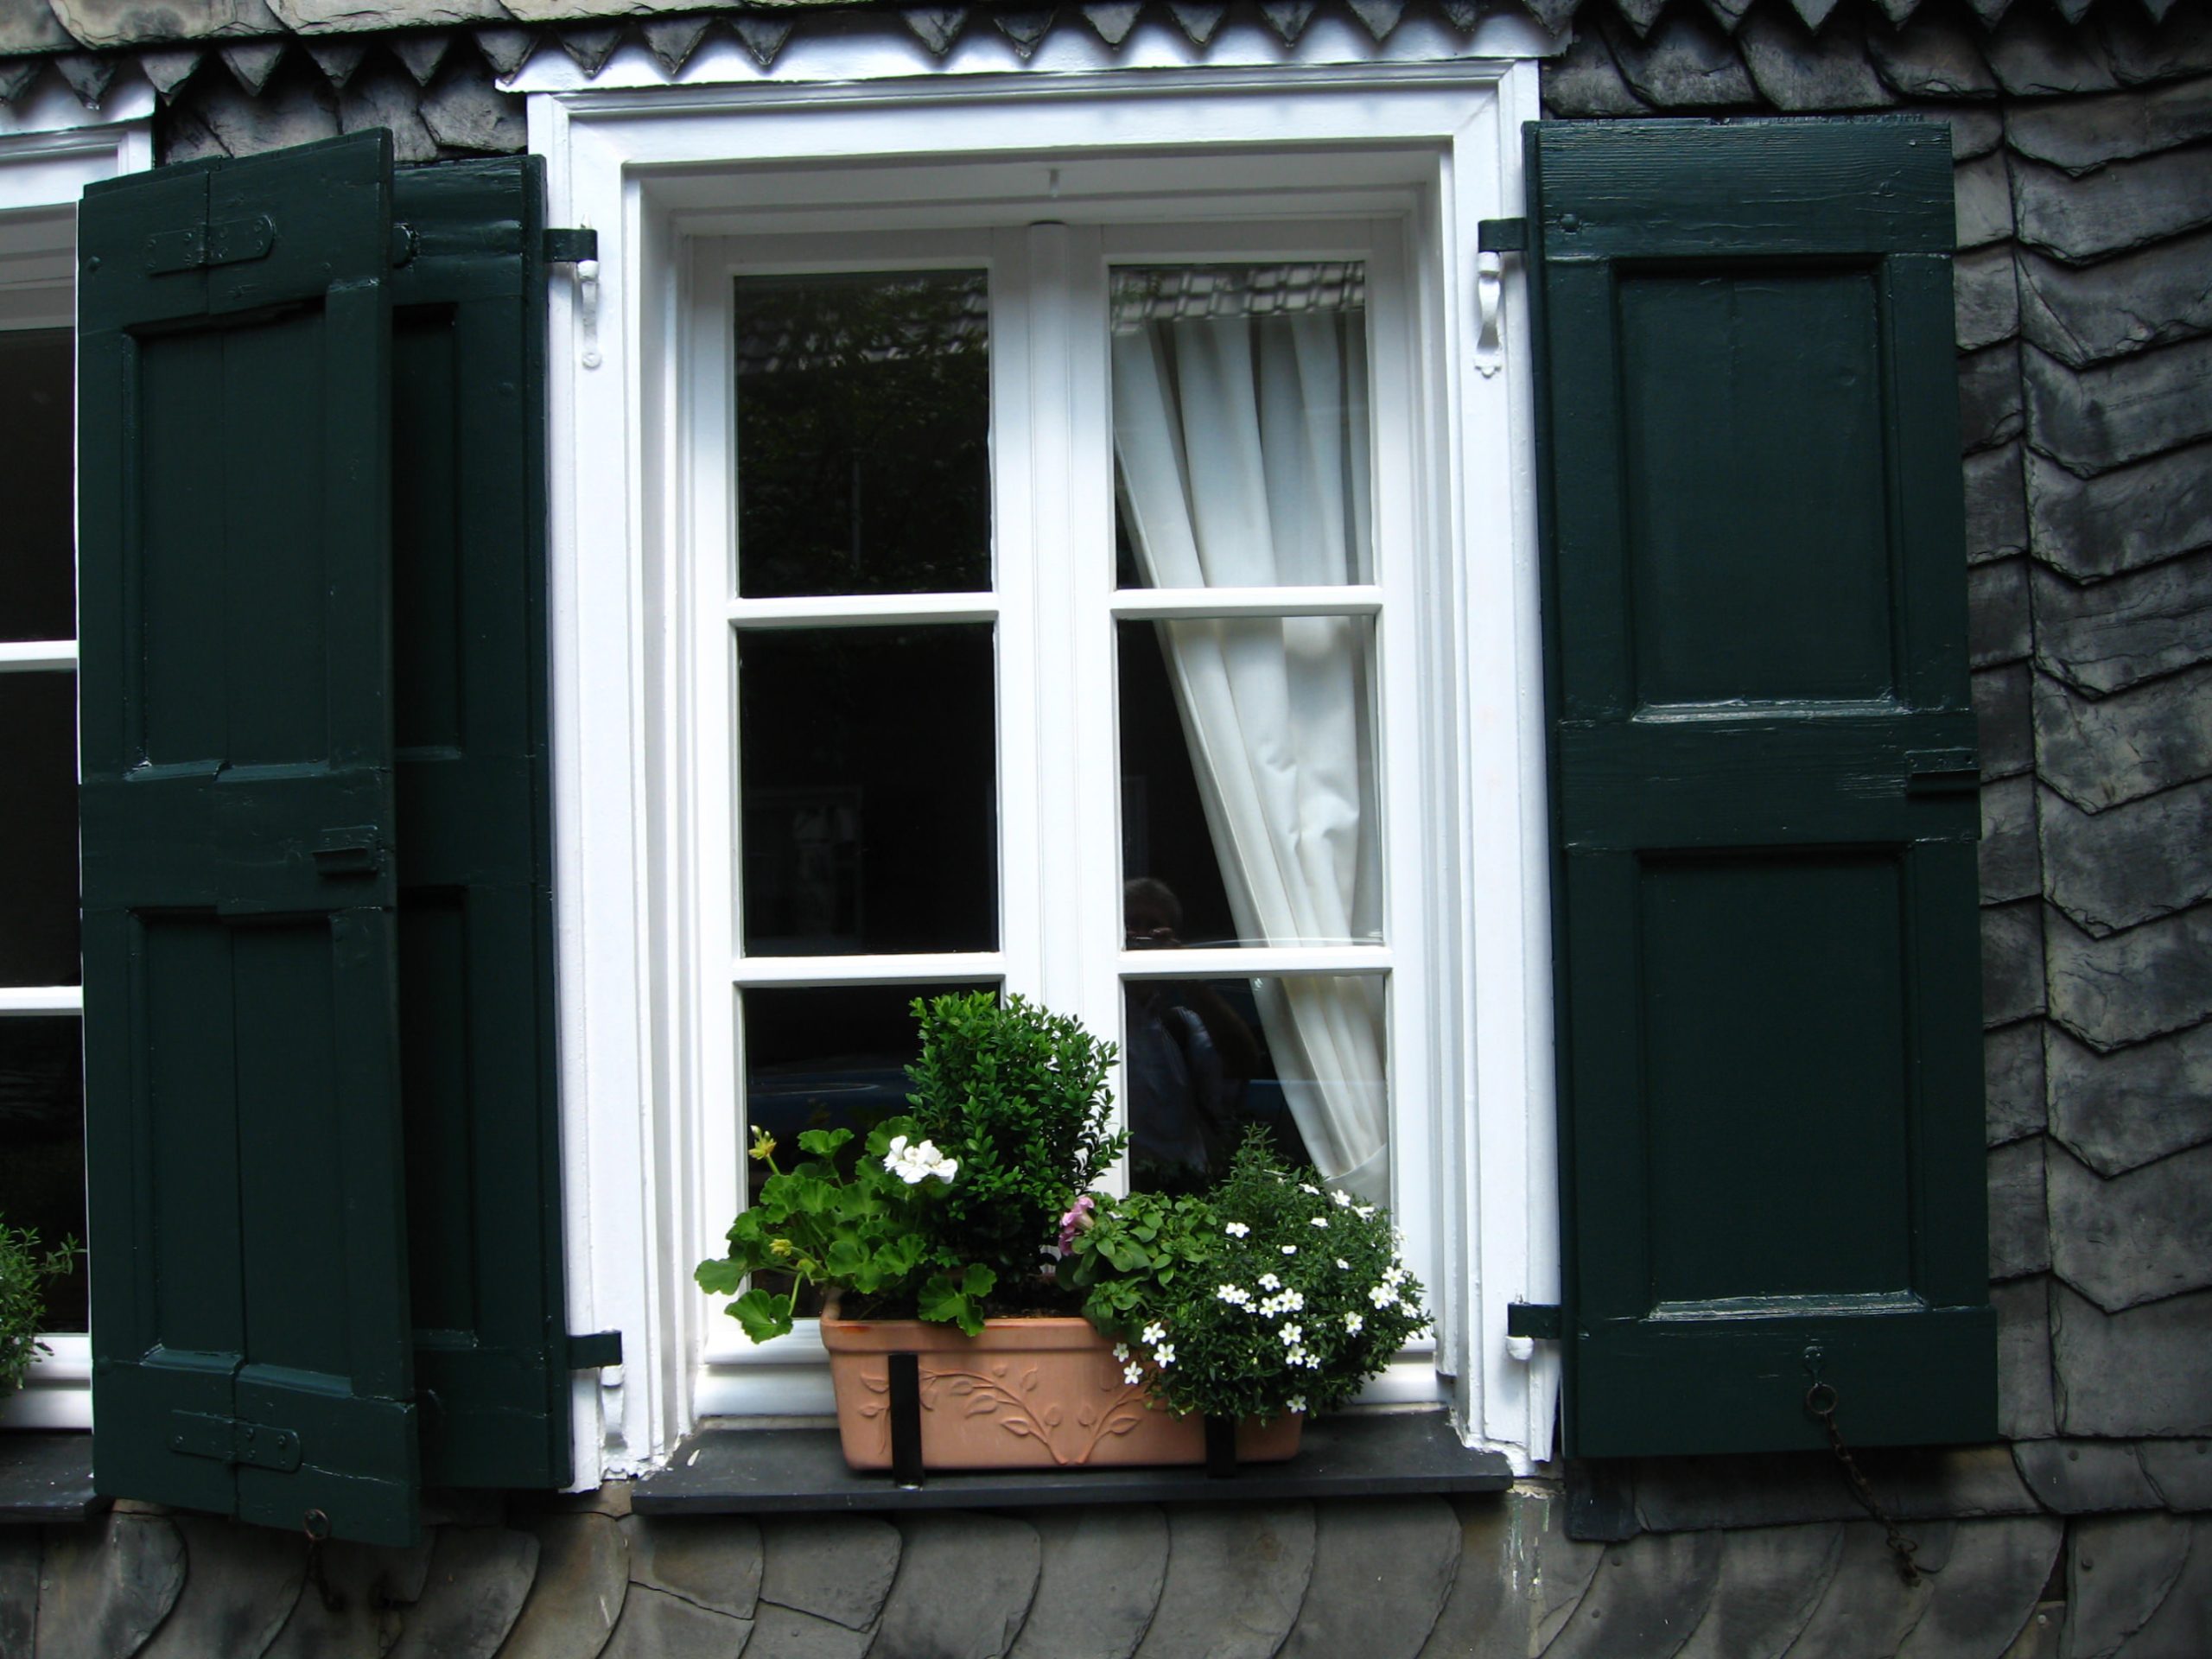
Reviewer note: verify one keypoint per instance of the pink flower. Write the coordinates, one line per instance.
(1077, 1220)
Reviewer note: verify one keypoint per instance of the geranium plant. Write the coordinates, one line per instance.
(951, 1208)
(1270, 1293)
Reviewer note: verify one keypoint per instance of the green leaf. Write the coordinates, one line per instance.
(822, 1142)
(762, 1315)
(719, 1277)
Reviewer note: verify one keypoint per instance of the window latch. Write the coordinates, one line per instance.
(579, 247)
(1539, 1320)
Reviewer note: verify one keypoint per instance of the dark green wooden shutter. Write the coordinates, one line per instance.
(1763, 781)
(249, 1312)
(475, 933)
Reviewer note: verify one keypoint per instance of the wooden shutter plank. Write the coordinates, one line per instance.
(1761, 793)
(475, 905)
(251, 1354)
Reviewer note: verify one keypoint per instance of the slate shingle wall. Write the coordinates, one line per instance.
(2084, 153)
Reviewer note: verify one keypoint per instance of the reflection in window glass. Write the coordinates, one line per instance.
(38, 569)
(863, 434)
(868, 768)
(1241, 438)
(1249, 794)
(38, 830)
(42, 1146)
(1299, 1056)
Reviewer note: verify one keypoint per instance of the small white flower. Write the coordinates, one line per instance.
(1236, 1229)
(1296, 1402)
(1121, 1353)
(1268, 1281)
(1384, 1295)
(1133, 1374)
(1364, 1211)
(1342, 1266)
(1164, 1355)
(1352, 1322)
(1235, 1295)
(1290, 1249)
(1310, 1360)
(1341, 1198)
(1292, 1335)
(1152, 1332)
(1315, 1191)
(1319, 1220)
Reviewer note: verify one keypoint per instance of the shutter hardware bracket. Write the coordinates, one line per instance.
(596, 1351)
(580, 248)
(1540, 1320)
(232, 1440)
(1493, 238)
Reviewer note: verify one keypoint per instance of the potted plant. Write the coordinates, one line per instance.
(1053, 1326)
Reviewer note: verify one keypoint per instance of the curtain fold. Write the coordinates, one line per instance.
(1241, 444)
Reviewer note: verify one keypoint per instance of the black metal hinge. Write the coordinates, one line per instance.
(232, 242)
(596, 1351)
(228, 1440)
(1502, 235)
(1539, 1319)
(569, 247)
(1941, 771)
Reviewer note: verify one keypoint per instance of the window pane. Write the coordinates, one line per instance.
(1241, 425)
(869, 761)
(38, 572)
(830, 1057)
(1301, 1055)
(863, 434)
(1249, 810)
(38, 830)
(42, 1146)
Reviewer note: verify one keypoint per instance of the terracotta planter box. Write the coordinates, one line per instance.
(1027, 1394)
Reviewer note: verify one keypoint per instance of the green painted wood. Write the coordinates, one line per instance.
(242, 1110)
(1765, 932)
(475, 929)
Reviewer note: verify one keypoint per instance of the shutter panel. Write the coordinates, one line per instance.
(475, 936)
(1763, 785)
(250, 1315)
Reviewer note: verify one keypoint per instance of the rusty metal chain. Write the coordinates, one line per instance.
(1820, 1402)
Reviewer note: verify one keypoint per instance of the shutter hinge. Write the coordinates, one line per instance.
(229, 1439)
(1502, 236)
(1539, 1319)
(355, 850)
(596, 1351)
(231, 243)
(568, 247)
(1941, 771)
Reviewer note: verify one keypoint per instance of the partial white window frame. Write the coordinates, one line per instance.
(51, 146)
(653, 168)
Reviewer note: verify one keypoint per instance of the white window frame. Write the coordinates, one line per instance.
(51, 146)
(654, 168)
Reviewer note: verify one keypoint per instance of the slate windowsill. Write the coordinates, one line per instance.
(791, 1471)
(47, 1479)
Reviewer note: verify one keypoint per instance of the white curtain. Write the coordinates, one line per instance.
(1241, 440)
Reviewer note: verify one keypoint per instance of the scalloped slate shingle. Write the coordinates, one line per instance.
(1235, 1575)
(2127, 205)
(2100, 752)
(2104, 637)
(2011, 869)
(964, 1587)
(2093, 420)
(2083, 133)
(2024, 1406)
(583, 1579)
(2121, 1110)
(106, 1585)
(1643, 1598)
(2129, 864)
(2137, 1373)
(2117, 991)
(2162, 294)
(2133, 1238)
(1770, 1580)
(2120, 1572)
(1098, 1579)
(2012, 1067)
(1997, 508)
(1987, 1588)
(2019, 1230)
(715, 1561)
(1381, 1572)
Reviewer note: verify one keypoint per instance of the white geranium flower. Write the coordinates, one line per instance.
(915, 1163)
(1236, 1229)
